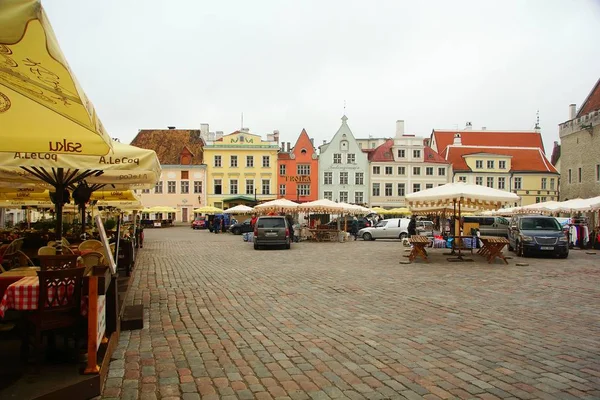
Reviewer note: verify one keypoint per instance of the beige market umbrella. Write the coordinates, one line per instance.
(239, 209)
(280, 205)
(208, 210)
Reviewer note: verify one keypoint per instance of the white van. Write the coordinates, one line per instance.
(393, 228)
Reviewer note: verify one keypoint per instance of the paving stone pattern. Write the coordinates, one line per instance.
(347, 320)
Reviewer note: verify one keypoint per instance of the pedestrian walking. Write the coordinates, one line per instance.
(216, 224)
(354, 228)
(412, 226)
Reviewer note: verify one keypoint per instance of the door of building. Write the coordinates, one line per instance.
(184, 214)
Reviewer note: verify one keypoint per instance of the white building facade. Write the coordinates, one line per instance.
(343, 169)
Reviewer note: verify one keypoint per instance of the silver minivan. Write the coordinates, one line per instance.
(490, 226)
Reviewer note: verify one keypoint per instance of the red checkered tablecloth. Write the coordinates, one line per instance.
(23, 296)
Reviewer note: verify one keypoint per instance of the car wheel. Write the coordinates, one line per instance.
(288, 245)
(367, 236)
(236, 231)
(256, 246)
(403, 236)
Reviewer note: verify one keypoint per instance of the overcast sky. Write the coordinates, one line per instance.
(289, 65)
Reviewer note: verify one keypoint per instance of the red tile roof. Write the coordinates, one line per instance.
(383, 153)
(444, 138)
(592, 102)
(170, 143)
(523, 159)
(431, 156)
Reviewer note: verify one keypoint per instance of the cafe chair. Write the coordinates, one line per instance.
(67, 250)
(59, 308)
(51, 243)
(47, 251)
(92, 259)
(11, 257)
(90, 245)
(58, 262)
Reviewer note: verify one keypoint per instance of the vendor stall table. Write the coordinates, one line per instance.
(322, 235)
(463, 243)
(418, 243)
(492, 248)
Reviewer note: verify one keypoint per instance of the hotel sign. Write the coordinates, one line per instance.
(297, 178)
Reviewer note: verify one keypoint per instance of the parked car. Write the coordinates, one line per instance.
(490, 226)
(538, 234)
(425, 228)
(393, 228)
(272, 231)
(362, 223)
(199, 223)
(240, 227)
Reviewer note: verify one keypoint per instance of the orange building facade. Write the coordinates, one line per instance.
(298, 171)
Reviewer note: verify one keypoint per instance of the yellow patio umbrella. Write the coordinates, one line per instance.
(160, 209)
(44, 110)
(114, 195)
(208, 210)
(399, 211)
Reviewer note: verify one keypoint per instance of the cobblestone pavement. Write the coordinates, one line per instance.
(347, 320)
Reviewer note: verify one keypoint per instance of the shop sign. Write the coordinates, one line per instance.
(297, 178)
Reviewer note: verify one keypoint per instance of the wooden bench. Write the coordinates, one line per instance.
(418, 247)
(492, 248)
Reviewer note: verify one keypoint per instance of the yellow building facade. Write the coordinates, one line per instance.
(241, 168)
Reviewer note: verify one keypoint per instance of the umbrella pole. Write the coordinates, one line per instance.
(82, 209)
(59, 212)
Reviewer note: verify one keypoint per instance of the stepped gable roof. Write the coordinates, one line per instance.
(443, 138)
(169, 144)
(523, 159)
(591, 102)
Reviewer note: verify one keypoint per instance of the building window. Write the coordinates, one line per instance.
(233, 186)
(401, 153)
(479, 164)
(376, 189)
(158, 189)
(145, 191)
(249, 186)
(416, 170)
(266, 186)
(388, 189)
(490, 164)
(579, 174)
(490, 181)
(359, 178)
(337, 158)
(569, 175)
(185, 175)
(266, 161)
(327, 195)
(358, 197)
(233, 161)
(401, 189)
(343, 178)
(328, 178)
(303, 190)
(442, 171)
(544, 183)
(502, 164)
(462, 178)
(250, 161)
(517, 183)
(185, 187)
(389, 170)
(416, 187)
(429, 186)
(351, 157)
(416, 153)
(218, 186)
(303, 169)
(401, 171)
(282, 190)
(551, 183)
(478, 180)
(537, 199)
(197, 186)
(171, 187)
(282, 170)
(501, 182)
(376, 170)
(217, 161)
(429, 171)
(344, 197)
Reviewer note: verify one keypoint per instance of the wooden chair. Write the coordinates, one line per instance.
(47, 251)
(58, 262)
(59, 307)
(93, 245)
(12, 254)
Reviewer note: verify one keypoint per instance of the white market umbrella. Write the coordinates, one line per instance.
(447, 195)
(322, 205)
(283, 205)
(239, 209)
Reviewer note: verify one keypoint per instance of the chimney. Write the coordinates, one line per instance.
(572, 111)
(204, 129)
(457, 140)
(283, 147)
(288, 146)
(399, 128)
(171, 127)
(219, 135)
(483, 128)
(276, 135)
(468, 126)
(245, 130)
